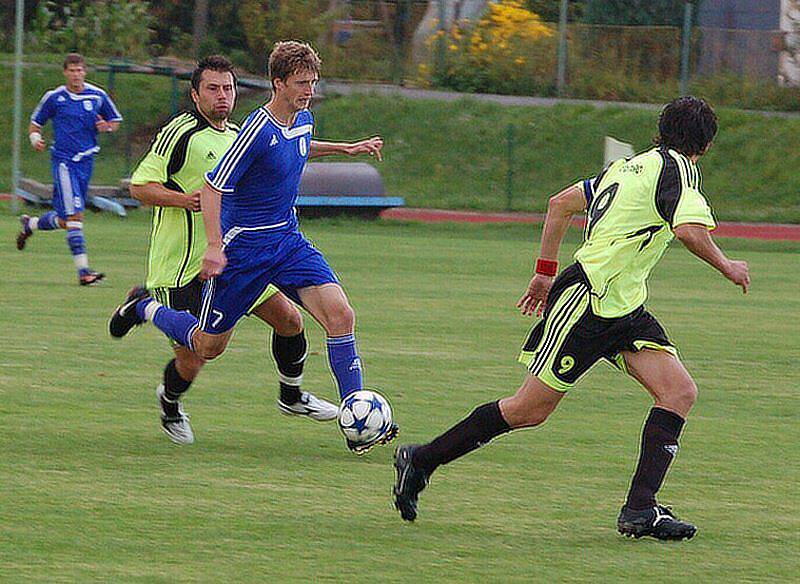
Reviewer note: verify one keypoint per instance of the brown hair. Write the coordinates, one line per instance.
(74, 59)
(216, 63)
(289, 57)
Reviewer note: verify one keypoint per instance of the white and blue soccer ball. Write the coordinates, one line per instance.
(364, 416)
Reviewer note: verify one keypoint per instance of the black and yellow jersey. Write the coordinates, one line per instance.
(182, 152)
(632, 208)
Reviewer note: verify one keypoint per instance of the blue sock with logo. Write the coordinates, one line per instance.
(48, 221)
(345, 364)
(176, 324)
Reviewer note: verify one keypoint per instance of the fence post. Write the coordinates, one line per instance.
(562, 47)
(686, 47)
(441, 45)
(510, 166)
(17, 131)
(174, 100)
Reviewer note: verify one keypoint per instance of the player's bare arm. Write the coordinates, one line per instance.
(156, 194)
(371, 146)
(214, 259)
(104, 126)
(698, 240)
(560, 210)
(35, 136)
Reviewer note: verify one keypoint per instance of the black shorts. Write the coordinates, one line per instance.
(188, 298)
(570, 338)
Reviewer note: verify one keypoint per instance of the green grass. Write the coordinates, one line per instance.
(456, 155)
(91, 490)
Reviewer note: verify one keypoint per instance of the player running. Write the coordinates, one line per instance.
(79, 111)
(595, 310)
(169, 178)
(253, 234)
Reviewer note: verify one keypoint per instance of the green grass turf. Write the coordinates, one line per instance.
(91, 490)
(456, 156)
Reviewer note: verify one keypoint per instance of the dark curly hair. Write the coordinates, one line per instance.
(688, 125)
(212, 63)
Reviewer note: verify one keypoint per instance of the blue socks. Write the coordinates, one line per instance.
(345, 364)
(48, 221)
(176, 324)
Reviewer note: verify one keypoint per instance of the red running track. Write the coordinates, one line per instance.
(770, 231)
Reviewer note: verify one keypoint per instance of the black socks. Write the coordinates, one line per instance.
(483, 424)
(659, 447)
(174, 384)
(290, 356)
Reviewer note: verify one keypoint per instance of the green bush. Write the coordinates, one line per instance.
(104, 27)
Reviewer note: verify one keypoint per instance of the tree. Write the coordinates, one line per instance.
(199, 25)
(635, 12)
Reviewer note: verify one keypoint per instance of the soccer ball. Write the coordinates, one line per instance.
(364, 416)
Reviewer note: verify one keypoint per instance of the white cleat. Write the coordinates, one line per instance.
(311, 406)
(176, 426)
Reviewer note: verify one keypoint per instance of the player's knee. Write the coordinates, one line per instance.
(289, 323)
(686, 393)
(210, 351)
(342, 320)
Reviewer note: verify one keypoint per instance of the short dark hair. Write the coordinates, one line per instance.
(687, 124)
(74, 59)
(289, 57)
(212, 63)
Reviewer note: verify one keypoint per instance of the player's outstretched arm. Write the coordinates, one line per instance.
(35, 136)
(698, 240)
(371, 146)
(560, 210)
(214, 259)
(156, 194)
(104, 126)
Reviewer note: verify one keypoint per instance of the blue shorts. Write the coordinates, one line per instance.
(70, 185)
(287, 260)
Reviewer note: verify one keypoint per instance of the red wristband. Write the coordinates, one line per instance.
(546, 267)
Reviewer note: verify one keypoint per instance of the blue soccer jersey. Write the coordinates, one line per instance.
(259, 175)
(74, 117)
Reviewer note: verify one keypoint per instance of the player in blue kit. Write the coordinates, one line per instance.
(79, 111)
(252, 230)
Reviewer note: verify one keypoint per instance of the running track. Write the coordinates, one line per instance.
(771, 231)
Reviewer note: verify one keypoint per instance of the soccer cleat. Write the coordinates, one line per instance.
(174, 421)
(124, 317)
(90, 277)
(658, 522)
(25, 232)
(311, 406)
(409, 483)
(360, 448)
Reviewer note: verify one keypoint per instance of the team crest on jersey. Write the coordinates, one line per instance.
(87, 105)
(61, 98)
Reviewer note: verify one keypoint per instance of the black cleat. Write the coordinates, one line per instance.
(409, 483)
(25, 232)
(90, 278)
(360, 448)
(658, 522)
(124, 317)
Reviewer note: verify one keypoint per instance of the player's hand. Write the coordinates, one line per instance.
(103, 126)
(534, 299)
(214, 261)
(371, 146)
(40, 145)
(739, 273)
(192, 201)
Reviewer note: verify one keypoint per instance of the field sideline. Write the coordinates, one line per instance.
(91, 490)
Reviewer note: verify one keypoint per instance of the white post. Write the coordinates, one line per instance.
(15, 172)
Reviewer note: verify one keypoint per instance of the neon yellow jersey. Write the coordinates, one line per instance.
(181, 153)
(632, 208)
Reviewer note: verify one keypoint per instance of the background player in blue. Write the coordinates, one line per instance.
(79, 111)
(253, 235)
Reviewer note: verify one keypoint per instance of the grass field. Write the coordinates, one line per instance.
(91, 490)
